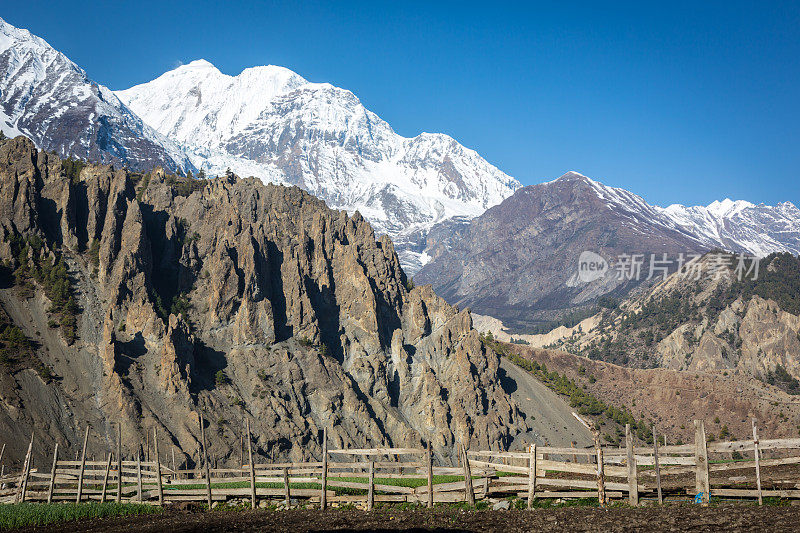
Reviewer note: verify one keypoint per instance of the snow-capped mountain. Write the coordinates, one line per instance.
(738, 226)
(271, 123)
(519, 260)
(48, 98)
(742, 226)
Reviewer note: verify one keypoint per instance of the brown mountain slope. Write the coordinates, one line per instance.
(150, 297)
(519, 260)
(716, 323)
(672, 399)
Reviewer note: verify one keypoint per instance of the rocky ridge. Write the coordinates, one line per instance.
(236, 299)
(708, 322)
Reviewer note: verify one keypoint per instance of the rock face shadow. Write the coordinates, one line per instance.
(208, 361)
(127, 353)
(508, 384)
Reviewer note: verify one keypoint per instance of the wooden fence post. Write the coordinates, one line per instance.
(83, 466)
(23, 480)
(205, 461)
(657, 466)
(633, 483)
(2, 451)
(323, 497)
(119, 462)
(287, 495)
(252, 467)
(158, 468)
(371, 492)
(601, 469)
(139, 474)
(701, 462)
(531, 475)
(52, 476)
(174, 468)
(469, 492)
(105, 480)
(758, 463)
(429, 461)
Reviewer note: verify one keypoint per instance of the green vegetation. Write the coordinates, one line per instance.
(40, 514)
(569, 320)
(778, 280)
(145, 181)
(783, 380)
(221, 378)
(181, 305)
(394, 482)
(94, 252)
(71, 168)
(626, 337)
(184, 186)
(50, 271)
(17, 350)
(12, 341)
(583, 401)
(306, 342)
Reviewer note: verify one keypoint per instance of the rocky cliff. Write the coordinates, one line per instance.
(705, 319)
(148, 298)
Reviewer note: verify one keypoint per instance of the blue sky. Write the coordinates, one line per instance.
(677, 101)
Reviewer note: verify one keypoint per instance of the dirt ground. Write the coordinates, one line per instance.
(738, 517)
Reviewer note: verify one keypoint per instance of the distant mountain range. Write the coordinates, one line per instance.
(271, 123)
(519, 260)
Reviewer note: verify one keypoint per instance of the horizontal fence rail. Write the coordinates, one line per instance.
(368, 475)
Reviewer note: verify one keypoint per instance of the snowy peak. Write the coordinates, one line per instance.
(616, 199)
(48, 98)
(271, 123)
(198, 64)
(735, 225)
(573, 176)
(197, 104)
(11, 36)
(742, 226)
(727, 207)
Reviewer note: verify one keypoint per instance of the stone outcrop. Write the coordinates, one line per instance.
(712, 324)
(242, 301)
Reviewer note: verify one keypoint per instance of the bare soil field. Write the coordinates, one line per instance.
(740, 517)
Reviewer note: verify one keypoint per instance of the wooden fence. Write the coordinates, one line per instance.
(699, 470)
